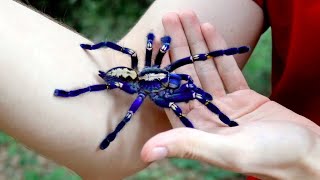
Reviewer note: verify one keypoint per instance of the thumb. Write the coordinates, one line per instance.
(215, 149)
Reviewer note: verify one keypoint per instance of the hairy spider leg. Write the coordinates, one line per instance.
(177, 110)
(166, 40)
(128, 88)
(114, 46)
(185, 94)
(150, 39)
(162, 102)
(203, 57)
(73, 93)
(134, 107)
(189, 80)
(216, 110)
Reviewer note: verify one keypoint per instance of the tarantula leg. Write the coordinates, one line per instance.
(177, 110)
(162, 51)
(189, 80)
(203, 57)
(114, 46)
(73, 93)
(150, 39)
(225, 119)
(126, 87)
(183, 94)
(134, 107)
(165, 103)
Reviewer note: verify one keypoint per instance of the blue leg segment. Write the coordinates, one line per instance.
(187, 78)
(73, 93)
(126, 87)
(165, 103)
(203, 57)
(150, 39)
(185, 94)
(134, 107)
(216, 110)
(114, 46)
(177, 110)
(165, 47)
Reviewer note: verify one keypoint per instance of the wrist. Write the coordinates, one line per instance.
(311, 161)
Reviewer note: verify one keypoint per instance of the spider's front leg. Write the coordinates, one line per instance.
(203, 57)
(166, 40)
(134, 107)
(114, 46)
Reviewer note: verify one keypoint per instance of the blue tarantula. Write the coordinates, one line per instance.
(164, 87)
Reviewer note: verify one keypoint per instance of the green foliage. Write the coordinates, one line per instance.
(94, 19)
(258, 69)
(61, 174)
(5, 139)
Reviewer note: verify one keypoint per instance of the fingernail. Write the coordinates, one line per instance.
(158, 153)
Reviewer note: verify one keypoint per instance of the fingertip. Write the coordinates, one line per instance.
(189, 15)
(207, 28)
(187, 12)
(164, 139)
(148, 148)
(170, 18)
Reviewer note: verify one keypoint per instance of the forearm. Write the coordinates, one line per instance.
(239, 21)
(313, 158)
(38, 56)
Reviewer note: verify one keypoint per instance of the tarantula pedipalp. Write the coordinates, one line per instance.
(163, 87)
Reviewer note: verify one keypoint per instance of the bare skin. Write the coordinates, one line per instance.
(38, 56)
(272, 142)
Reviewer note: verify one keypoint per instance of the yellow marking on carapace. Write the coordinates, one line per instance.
(153, 76)
(123, 72)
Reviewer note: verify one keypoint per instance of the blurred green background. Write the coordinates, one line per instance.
(111, 19)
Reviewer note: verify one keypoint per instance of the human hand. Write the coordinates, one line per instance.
(270, 142)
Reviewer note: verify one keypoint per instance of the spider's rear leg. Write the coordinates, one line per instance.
(134, 107)
(114, 46)
(127, 87)
(73, 93)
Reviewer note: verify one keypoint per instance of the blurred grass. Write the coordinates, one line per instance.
(103, 19)
(258, 69)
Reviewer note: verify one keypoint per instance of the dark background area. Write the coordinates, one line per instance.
(111, 19)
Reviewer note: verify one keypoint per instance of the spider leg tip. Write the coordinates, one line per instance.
(56, 92)
(60, 93)
(151, 36)
(85, 46)
(104, 145)
(233, 124)
(166, 39)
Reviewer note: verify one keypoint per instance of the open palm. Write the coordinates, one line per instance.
(271, 141)
(220, 77)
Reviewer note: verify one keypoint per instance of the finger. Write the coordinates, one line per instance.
(179, 45)
(190, 143)
(206, 70)
(228, 69)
